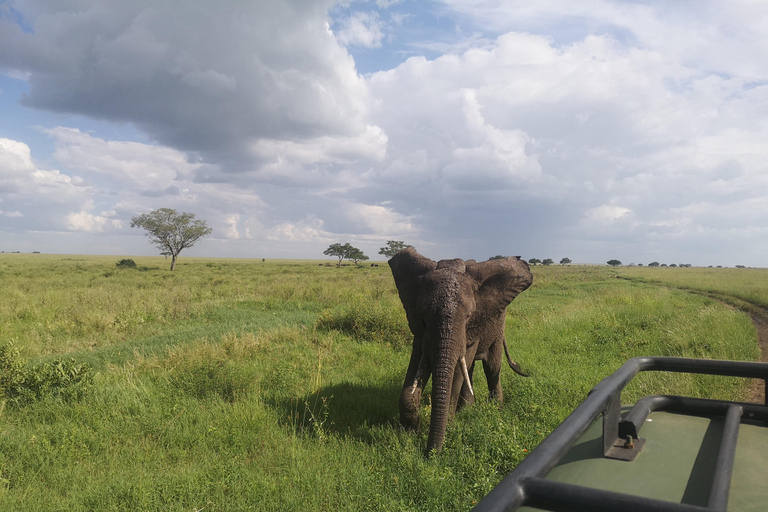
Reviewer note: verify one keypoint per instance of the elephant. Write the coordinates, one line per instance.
(456, 311)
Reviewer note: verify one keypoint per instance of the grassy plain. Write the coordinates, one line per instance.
(745, 284)
(248, 385)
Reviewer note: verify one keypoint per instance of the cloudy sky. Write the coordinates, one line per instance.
(593, 130)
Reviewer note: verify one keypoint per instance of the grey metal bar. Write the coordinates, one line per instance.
(508, 495)
(562, 497)
(721, 481)
(635, 418)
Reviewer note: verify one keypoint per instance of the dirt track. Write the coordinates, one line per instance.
(757, 393)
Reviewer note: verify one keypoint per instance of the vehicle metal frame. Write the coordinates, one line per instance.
(526, 484)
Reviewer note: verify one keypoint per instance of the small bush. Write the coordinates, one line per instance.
(368, 322)
(126, 263)
(22, 383)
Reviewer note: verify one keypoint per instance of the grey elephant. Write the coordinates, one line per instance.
(456, 311)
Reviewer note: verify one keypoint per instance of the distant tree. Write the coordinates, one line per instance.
(393, 247)
(673, 265)
(547, 262)
(740, 266)
(338, 250)
(663, 264)
(639, 264)
(653, 264)
(565, 261)
(356, 255)
(170, 231)
(497, 257)
(534, 261)
(614, 263)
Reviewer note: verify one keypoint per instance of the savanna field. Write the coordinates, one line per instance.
(233, 384)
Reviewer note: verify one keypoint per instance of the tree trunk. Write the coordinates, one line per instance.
(173, 261)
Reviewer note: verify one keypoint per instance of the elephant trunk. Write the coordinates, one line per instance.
(442, 384)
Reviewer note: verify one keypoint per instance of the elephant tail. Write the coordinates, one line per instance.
(512, 364)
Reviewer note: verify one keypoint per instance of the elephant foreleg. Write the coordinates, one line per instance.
(410, 398)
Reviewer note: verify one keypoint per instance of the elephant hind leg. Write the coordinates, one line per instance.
(492, 368)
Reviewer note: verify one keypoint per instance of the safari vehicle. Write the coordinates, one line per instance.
(664, 454)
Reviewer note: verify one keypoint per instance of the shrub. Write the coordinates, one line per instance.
(126, 263)
(22, 383)
(368, 322)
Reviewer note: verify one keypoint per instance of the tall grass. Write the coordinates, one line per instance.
(242, 385)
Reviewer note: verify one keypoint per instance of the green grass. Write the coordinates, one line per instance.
(248, 385)
(747, 284)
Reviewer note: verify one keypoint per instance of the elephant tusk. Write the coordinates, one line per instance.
(466, 375)
(419, 373)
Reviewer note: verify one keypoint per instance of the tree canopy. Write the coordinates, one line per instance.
(614, 263)
(171, 231)
(565, 261)
(393, 247)
(356, 255)
(345, 251)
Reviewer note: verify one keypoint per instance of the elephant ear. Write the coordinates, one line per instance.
(408, 266)
(499, 282)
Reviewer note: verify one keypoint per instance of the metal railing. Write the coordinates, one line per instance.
(526, 484)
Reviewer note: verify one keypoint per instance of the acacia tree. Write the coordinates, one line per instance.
(614, 263)
(547, 262)
(565, 261)
(393, 247)
(171, 231)
(345, 251)
(356, 255)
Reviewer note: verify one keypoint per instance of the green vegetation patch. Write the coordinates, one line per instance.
(242, 384)
(22, 383)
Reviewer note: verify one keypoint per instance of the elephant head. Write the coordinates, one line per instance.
(456, 311)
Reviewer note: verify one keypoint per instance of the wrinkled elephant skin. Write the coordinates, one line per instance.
(456, 311)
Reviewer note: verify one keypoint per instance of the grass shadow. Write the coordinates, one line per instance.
(345, 409)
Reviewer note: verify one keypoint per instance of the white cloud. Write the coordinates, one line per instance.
(361, 29)
(84, 221)
(598, 125)
(140, 166)
(606, 214)
(232, 231)
(380, 220)
(308, 230)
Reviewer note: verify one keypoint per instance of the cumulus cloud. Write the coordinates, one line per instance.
(35, 198)
(542, 126)
(361, 29)
(213, 81)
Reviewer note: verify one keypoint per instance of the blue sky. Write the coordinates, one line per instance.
(590, 130)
